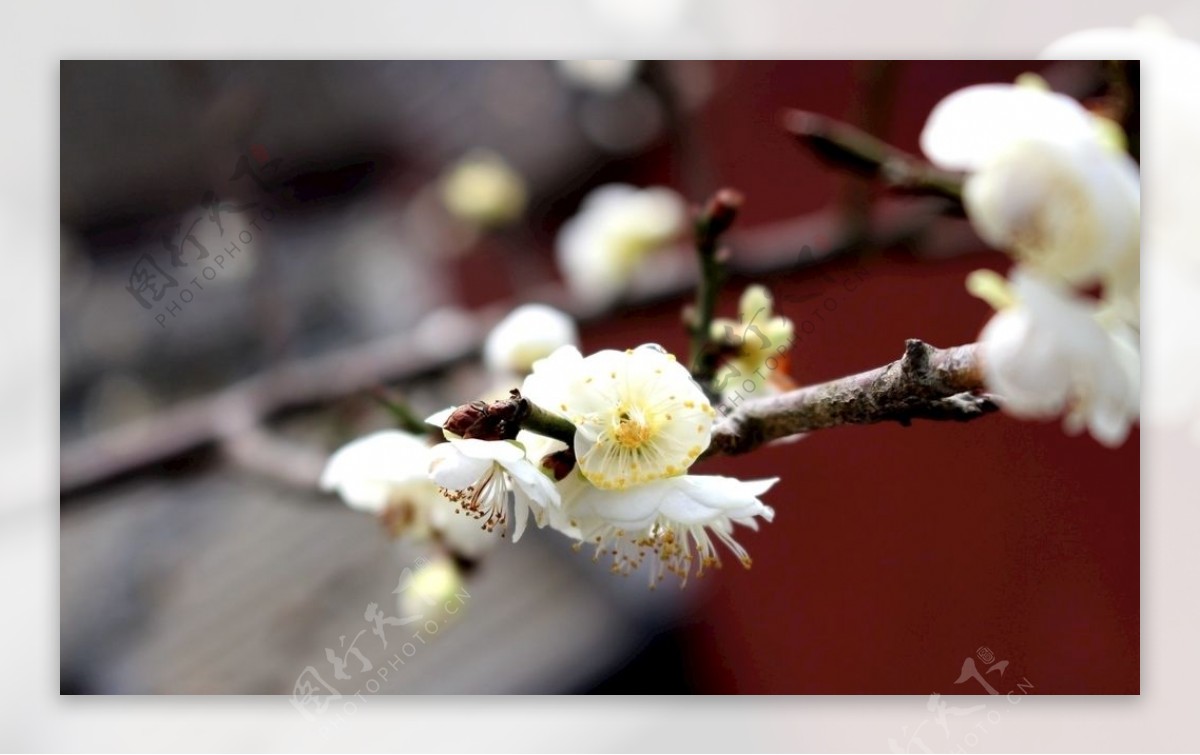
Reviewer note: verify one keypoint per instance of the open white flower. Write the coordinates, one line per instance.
(640, 422)
(483, 476)
(387, 474)
(676, 520)
(483, 189)
(638, 414)
(1046, 353)
(529, 333)
(616, 230)
(1045, 181)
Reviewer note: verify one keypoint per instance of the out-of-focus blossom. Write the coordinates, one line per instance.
(1048, 352)
(434, 592)
(641, 421)
(605, 76)
(387, 474)
(482, 189)
(617, 228)
(761, 339)
(1045, 182)
(1170, 118)
(529, 333)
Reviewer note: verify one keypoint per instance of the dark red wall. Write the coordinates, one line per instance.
(897, 552)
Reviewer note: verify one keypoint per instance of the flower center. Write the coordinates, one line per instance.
(632, 432)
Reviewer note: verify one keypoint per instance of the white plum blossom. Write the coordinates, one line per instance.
(1049, 352)
(1045, 180)
(386, 474)
(638, 414)
(483, 476)
(1170, 118)
(641, 421)
(529, 333)
(617, 229)
(482, 189)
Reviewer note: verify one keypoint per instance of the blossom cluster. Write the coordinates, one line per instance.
(1051, 184)
(622, 485)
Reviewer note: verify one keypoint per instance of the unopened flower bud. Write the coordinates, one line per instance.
(720, 211)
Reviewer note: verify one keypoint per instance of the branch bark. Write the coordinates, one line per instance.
(925, 383)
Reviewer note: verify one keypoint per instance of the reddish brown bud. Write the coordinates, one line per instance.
(499, 420)
(720, 211)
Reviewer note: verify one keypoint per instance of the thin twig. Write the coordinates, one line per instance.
(925, 383)
(844, 146)
(712, 222)
(406, 419)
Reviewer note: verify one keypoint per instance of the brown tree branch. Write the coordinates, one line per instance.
(925, 383)
(205, 422)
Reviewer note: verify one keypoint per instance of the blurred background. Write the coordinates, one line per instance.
(196, 554)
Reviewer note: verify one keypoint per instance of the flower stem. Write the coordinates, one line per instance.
(712, 222)
(537, 420)
(401, 413)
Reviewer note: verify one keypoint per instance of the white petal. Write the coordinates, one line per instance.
(1026, 370)
(452, 469)
(492, 450)
(1071, 211)
(439, 419)
(387, 456)
(552, 379)
(706, 498)
(532, 483)
(521, 505)
(528, 334)
(631, 508)
(971, 126)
